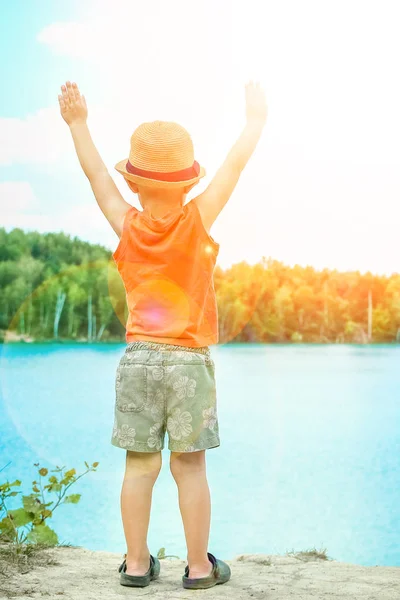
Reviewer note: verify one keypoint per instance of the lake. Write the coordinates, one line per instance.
(309, 455)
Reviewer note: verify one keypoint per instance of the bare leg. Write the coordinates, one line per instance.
(189, 472)
(142, 469)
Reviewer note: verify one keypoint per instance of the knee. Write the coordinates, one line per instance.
(146, 464)
(183, 464)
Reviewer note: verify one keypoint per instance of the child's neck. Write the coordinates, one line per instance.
(157, 207)
(157, 211)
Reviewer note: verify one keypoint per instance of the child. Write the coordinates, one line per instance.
(165, 379)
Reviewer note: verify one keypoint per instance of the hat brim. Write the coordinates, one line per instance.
(146, 182)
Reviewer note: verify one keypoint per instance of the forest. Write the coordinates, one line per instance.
(57, 288)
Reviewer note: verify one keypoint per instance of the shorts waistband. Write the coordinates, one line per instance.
(143, 345)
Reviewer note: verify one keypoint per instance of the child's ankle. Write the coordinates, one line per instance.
(200, 566)
(136, 560)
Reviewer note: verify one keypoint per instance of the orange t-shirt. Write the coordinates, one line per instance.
(167, 266)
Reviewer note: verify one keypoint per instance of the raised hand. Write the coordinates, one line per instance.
(72, 104)
(256, 105)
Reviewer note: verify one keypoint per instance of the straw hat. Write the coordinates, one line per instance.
(161, 155)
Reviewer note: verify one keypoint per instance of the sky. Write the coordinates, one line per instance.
(322, 187)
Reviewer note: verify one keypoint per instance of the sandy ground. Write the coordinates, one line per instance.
(81, 574)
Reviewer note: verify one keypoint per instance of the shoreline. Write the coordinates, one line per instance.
(13, 338)
(77, 573)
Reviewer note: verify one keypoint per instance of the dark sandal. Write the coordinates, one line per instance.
(221, 573)
(140, 580)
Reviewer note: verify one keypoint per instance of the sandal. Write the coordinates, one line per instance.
(220, 574)
(140, 580)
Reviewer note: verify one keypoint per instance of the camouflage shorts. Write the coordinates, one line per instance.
(162, 387)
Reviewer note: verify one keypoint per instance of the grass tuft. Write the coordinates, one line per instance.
(308, 555)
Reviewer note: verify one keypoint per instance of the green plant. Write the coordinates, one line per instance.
(28, 524)
(161, 554)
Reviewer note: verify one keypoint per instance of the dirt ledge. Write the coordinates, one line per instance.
(76, 573)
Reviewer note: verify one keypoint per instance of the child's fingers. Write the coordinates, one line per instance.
(63, 107)
(65, 95)
(76, 90)
(71, 92)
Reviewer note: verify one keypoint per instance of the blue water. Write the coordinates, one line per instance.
(309, 455)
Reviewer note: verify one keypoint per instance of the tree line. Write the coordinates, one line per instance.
(57, 288)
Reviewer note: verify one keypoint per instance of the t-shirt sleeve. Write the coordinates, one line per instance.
(200, 226)
(118, 252)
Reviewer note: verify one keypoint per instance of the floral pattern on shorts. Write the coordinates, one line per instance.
(160, 389)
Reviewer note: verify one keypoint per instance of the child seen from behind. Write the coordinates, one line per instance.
(165, 380)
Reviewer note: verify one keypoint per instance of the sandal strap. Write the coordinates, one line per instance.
(122, 567)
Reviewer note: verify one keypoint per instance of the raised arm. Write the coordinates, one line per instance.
(217, 194)
(74, 112)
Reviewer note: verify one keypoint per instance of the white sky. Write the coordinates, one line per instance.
(322, 187)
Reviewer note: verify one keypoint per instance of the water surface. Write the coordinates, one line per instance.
(309, 455)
